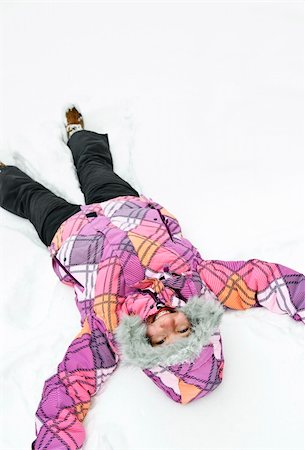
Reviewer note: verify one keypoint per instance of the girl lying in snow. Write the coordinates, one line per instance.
(143, 291)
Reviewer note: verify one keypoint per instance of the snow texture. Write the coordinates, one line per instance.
(203, 104)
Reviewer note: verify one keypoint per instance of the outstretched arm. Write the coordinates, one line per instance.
(248, 284)
(88, 362)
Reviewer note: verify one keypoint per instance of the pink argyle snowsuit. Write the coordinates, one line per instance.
(126, 256)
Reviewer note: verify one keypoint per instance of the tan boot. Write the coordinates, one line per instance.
(74, 121)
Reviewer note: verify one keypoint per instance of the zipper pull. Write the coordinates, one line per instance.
(160, 305)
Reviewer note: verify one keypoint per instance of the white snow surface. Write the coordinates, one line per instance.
(203, 104)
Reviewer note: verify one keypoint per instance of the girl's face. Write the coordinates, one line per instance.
(166, 326)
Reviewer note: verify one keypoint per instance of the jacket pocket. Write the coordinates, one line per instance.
(65, 277)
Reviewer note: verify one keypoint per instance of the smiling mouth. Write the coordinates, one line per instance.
(162, 312)
(166, 309)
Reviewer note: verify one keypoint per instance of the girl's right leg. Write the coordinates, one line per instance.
(26, 198)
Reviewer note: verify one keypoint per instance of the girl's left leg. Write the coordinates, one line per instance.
(94, 165)
(21, 195)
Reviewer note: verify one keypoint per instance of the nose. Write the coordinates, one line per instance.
(167, 321)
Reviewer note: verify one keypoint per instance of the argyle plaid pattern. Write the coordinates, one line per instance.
(244, 284)
(128, 256)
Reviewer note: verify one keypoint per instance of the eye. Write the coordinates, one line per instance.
(184, 331)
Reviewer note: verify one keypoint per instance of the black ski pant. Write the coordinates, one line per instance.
(26, 198)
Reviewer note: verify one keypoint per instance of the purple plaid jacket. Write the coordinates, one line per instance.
(127, 255)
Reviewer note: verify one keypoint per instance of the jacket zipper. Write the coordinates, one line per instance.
(67, 272)
(154, 297)
(157, 300)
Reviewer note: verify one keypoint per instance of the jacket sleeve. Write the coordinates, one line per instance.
(87, 364)
(255, 283)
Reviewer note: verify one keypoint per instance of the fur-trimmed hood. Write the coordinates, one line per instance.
(203, 312)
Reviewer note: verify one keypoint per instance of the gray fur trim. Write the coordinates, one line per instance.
(204, 315)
